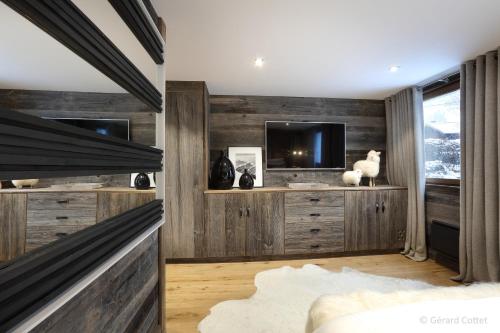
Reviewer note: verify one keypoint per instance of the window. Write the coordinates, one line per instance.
(442, 136)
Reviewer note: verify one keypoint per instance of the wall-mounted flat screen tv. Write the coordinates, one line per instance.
(118, 128)
(305, 145)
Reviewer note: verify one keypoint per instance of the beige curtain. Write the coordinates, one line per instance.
(480, 182)
(405, 163)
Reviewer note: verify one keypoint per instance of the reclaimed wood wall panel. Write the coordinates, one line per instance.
(12, 225)
(442, 203)
(59, 104)
(123, 298)
(186, 167)
(239, 121)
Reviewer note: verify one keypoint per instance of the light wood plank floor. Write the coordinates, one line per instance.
(192, 289)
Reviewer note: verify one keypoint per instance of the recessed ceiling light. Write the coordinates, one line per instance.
(394, 69)
(259, 62)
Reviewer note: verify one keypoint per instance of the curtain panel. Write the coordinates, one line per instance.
(405, 163)
(480, 160)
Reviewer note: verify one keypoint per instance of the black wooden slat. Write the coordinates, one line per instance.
(32, 280)
(70, 26)
(136, 20)
(10, 117)
(63, 150)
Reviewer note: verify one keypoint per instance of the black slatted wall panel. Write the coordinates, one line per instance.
(69, 25)
(131, 13)
(31, 147)
(29, 282)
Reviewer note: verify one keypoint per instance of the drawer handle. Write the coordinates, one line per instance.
(248, 212)
(315, 214)
(376, 207)
(241, 212)
(61, 217)
(61, 234)
(314, 199)
(63, 201)
(383, 207)
(315, 246)
(315, 231)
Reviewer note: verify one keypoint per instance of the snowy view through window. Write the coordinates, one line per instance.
(442, 136)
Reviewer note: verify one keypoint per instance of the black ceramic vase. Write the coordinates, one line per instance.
(223, 174)
(142, 182)
(246, 181)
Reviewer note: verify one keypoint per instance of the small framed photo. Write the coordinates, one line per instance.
(151, 176)
(247, 158)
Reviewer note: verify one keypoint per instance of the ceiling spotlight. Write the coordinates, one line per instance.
(394, 69)
(259, 62)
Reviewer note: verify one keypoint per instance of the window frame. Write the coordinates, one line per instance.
(435, 89)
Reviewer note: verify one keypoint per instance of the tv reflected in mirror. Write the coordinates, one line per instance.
(118, 128)
(305, 145)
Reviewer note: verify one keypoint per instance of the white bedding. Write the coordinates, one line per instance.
(442, 316)
(440, 309)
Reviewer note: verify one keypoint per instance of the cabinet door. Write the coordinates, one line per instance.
(225, 230)
(361, 225)
(265, 223)
(12, 225)
(392, 218)
(110, 204)
(238, 206)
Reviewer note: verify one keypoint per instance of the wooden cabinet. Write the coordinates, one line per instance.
(314, 222)
(375, 220)
(54, 215)
(12, 225)
(186, 169)
(51, 216)
(250, 224)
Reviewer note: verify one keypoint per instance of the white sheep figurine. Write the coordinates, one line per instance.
(352, 177)
(370, 167)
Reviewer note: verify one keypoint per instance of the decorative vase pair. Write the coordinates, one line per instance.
(223, 175)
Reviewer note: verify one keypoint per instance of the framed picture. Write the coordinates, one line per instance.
(151, 176)
(247, 158)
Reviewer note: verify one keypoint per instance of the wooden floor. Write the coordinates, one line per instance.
(192, 289)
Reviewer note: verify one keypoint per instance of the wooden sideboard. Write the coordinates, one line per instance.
(281, 222)
(31, 218)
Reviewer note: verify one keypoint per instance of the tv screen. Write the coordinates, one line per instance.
(305, 145)
(118, 128)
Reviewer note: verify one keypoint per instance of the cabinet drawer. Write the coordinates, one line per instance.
(323, 229)
(327, 236)
(314, 245)
(62, 217)
(62, 200)
(314, 199)
(313, 214)
(39, 235)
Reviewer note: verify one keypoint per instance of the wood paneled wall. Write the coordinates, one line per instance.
(59, 104)
(442, 203)
(123, 299)
(239, 121)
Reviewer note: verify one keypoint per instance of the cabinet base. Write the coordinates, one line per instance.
(279, 257)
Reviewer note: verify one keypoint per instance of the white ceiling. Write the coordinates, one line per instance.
(323, 48)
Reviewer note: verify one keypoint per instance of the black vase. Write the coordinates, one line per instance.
(246, 181)
(223, 174)
(142, 182)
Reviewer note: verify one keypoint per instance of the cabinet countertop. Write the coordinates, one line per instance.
(287, 189)
(52, 190)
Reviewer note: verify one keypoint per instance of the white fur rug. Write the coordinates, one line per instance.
(284, 296)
